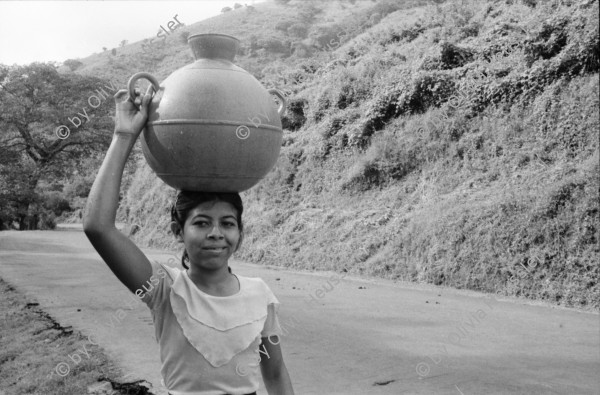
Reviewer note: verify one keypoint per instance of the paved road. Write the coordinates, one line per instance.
(355, 336)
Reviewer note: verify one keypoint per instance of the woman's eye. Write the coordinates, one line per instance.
(229, 224)
(201, 223)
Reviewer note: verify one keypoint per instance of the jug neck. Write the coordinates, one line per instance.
(214, 46)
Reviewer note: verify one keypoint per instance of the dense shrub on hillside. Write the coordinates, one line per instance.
(326, 36)
(72, 64)
(386, 7)
(295, 116)
(414, 95)
(299, 30)
(301, 50)
(307, 11)
(272, 45)
(283, 25)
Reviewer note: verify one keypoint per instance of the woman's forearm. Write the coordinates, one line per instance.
(103, 200)
(279, 383)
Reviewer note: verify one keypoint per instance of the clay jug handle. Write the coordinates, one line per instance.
(137, 76)
(282, 105)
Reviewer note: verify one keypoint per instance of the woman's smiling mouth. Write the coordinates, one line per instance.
(214, 249)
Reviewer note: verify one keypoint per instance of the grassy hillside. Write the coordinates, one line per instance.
(454, 144)
(262, 30)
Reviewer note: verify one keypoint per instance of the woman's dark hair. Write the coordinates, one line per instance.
(186, 201)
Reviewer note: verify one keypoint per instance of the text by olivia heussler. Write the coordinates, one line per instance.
(162, 33)
(94, 100)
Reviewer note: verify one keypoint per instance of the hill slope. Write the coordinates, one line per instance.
(455, 144)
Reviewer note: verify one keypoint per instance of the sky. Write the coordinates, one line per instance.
(43, 31)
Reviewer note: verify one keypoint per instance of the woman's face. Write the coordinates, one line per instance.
(211, 234)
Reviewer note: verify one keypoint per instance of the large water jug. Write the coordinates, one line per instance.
(212, 126)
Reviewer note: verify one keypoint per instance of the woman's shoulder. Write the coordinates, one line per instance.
(165, 271)
(156, 288)
(256, 285)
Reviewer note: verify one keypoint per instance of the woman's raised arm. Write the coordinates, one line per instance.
(122, 256)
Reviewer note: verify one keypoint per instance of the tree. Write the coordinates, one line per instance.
(113, 52)
(73, 64)
(183, 37)
(123, 43)
(237, 5)
(226, 9)
(34, 100)
(272, 45)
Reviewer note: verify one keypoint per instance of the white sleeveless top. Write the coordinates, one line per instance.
(209, 344)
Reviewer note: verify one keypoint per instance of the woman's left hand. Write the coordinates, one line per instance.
(132, 113)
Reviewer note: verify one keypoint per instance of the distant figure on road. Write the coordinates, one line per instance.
(212, 326)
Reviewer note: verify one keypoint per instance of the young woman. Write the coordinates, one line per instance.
(214, 328)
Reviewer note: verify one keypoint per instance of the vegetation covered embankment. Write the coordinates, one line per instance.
(455, 144)
(39, 356)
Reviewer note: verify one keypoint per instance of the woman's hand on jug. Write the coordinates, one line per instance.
(131, 113)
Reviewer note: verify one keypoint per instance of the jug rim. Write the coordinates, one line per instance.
(214, 46)
(212, 34)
